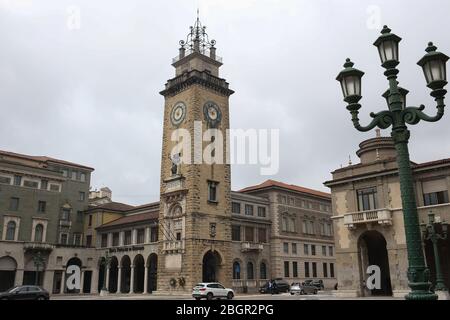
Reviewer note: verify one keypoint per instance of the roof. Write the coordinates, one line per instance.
(43, 159)
(132, 218)
(291, 187)
(432, 163)
(114, 206)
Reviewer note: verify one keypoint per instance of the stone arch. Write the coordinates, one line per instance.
(125, 264)
(152, 270)
(8, 267)
(237, 269)
(372, 250)
(212, 266)
(139, 273)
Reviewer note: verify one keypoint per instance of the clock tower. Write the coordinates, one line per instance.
(195, 204)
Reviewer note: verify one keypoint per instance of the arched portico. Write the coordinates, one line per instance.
(211, 268)
(8, 267)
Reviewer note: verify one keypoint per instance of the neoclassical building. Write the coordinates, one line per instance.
(368, 218)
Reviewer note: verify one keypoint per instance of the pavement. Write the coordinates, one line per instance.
(322, 295)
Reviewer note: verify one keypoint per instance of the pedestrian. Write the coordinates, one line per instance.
(271, 286)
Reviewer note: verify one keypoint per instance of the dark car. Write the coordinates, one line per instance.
(25, 293)
(316, 283)
(279, 287)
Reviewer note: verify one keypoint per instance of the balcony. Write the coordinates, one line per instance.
(379, 216)
(173, 246)
(251, 247)
(65, 223)
(38, 246)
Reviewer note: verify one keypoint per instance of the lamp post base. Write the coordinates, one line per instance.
(104, 293)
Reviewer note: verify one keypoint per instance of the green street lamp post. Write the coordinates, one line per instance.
(430, 233)
(38, 261)
(398, 116)
(105, 262)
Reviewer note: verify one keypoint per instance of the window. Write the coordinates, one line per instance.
(305, 249)
(90, 221)
(261, 212)
(212, 191)
(248, 210)
(250, 273)
(294, 248)
(236, 207)
(262, 236)
(305, 227)
(104, 242)
(127, 238)
(313, 249)
(294, 269)
(286, 269)
(65, 214)
(367, 199)
(42, 206)
(324, 250)
(322, 229)
(434, 198)
(235, 233)
(306, 269)
(286, 247)
(14, 204)
(178, 236)
(284, 226)
(11, 231)
(311, 227)
(30, 184)
(17, 180)
(83, 177)
(38, 233)
(115, 239)
(5, 180)
(154, 234)
(74, 175)
(249, 234)
(292, 225)
(332, 270)
(236, 270)
(314, 270)
(79, 216)
(262, 271)
(141, 236)
(65, 173)
(330, 251)
(77, 239)
(63, 238)
(283, 199)
(325, 270)
(55, 187)
(82, 196)
(329, 230)
(89, 241)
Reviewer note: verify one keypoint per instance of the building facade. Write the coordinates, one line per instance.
(42, 201)
(368, 218)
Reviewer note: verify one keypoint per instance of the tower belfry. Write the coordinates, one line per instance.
(195, 204)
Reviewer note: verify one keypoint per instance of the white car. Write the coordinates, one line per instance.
(211, 290)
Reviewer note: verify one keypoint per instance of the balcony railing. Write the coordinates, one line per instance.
(250, 246)
(203, 52)
(380, 216)
(39, 246)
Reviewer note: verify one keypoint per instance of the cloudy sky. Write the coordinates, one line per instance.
(79, 80)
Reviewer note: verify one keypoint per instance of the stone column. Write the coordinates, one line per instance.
(94, 281)
(18, 281)
(119, 279)
(48, 280)
(145, 280)
(63, 281)
(82, 282)
(107, 278)
(147, 235)
(132, 279)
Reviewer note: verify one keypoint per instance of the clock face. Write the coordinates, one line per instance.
(178, 113)
(212, 113)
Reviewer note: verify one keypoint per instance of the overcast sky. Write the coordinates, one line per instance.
(87, 92)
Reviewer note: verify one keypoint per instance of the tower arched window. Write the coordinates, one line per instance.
(250, 273)
(236, 270)
(38, 233)
(11, 230)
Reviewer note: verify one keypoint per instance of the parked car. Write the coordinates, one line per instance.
(317, 283)
(211, 290)
(280, 286)
(25, 293)
(297, 288)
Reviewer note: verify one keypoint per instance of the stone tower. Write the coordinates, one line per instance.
(195, 209)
